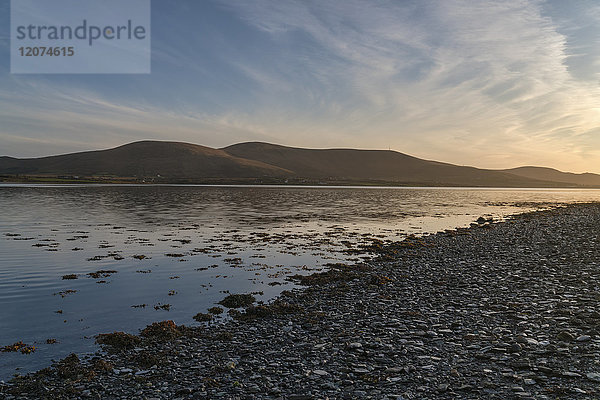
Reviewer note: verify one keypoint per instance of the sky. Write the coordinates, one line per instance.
(492, 84)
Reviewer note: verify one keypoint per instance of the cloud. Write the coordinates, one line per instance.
(453, 80)
(83, 122)
(492, 84)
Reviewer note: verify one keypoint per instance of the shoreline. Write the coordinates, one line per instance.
(308, 183)
(292, 186)
(498, 310)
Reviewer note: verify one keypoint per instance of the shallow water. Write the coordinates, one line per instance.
(199, 243)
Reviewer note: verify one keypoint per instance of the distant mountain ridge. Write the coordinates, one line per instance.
(174, 162)
(551, 174)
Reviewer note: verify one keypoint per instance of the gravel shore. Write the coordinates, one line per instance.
(496, 311)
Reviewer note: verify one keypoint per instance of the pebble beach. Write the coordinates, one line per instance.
(499, 310)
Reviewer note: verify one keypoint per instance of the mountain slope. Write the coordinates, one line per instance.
(147, 158)
(551, 174)
(379, 165)
(184, 162)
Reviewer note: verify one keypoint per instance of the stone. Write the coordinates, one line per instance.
(565, 336)
(593, 376)
(515, 348)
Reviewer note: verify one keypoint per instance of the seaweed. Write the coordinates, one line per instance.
(118, 340)
(18, 346)
(162, 330)
(202, 317)
(237, 300)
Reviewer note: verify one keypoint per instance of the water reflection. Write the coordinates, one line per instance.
(197, 243)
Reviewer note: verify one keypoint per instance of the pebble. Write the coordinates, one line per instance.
(565, 336)
(593, 376)
(509, 305)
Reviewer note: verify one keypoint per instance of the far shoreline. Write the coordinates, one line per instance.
(17, 184)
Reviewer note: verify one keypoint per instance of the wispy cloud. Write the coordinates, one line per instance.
(79, 120)
(492, 84)
(454, 80)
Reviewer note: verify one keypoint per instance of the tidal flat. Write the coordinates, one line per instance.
(496, 310)
(77, 261)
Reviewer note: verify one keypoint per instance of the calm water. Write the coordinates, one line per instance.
(198, 244)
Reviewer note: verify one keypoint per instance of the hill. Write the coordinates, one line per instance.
(170, 160)
(255, 162)
(551, 174)
(375, 165)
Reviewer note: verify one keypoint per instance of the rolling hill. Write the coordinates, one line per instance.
(263, 162)
(171, 160)
(374, 165)
(551, 174)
